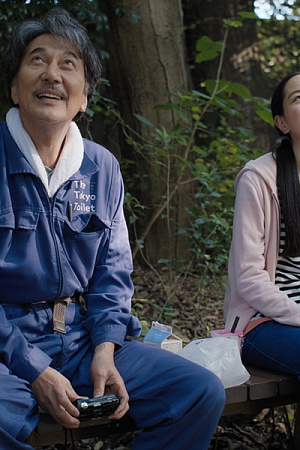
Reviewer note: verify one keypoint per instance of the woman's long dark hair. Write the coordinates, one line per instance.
(287, 178)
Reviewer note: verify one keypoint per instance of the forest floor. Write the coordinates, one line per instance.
(193, 307)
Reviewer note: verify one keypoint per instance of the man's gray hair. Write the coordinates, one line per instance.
(58, 23)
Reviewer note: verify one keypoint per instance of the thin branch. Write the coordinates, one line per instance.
(160, 210)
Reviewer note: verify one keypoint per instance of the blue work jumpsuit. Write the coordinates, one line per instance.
(77, 241)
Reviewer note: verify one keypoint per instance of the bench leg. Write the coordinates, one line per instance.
(297, 427)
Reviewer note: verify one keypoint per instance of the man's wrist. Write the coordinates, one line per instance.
(107, 347)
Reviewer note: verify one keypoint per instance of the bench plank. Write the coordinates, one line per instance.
(261, 388)
(236, 394)
(286, 383)
(48, 432)
(264, 389)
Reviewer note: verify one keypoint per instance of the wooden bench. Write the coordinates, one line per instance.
(48, 432)
(264, 389)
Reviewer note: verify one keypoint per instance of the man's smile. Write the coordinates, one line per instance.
(53, 94)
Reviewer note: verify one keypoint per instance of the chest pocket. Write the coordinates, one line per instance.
(93, 224)
(23, 219)
(85, 240)
(87, 224)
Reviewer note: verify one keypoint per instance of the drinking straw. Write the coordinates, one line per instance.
(233, 328)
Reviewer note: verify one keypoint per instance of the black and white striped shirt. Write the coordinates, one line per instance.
(287, 275)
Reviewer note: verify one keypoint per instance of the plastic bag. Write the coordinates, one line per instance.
(221, 356)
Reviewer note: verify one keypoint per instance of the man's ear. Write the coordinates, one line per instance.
(14, 94)
(281, 124)
(83, 104)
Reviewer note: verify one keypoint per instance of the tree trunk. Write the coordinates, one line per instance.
(147, 60)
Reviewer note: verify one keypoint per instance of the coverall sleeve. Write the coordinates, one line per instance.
(255, 281)
(23, 359)
(110, 290)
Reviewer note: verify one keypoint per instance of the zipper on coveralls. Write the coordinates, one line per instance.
(52, 228)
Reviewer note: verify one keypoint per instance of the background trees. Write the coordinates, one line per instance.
(183, 104)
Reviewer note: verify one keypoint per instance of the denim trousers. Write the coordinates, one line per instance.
(176, 402)
(273, 346)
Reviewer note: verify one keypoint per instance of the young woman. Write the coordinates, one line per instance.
(264, 263)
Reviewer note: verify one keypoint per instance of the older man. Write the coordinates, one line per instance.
(63, 238)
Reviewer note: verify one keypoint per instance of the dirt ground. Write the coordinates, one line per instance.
(194, 306)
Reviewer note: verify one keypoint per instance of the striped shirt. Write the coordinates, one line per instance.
(287, 275)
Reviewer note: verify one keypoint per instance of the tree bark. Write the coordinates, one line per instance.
(147, 60)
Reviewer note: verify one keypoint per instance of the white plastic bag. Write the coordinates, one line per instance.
(221, 356)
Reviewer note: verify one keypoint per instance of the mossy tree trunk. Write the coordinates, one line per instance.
(147, 60)
(152, 49)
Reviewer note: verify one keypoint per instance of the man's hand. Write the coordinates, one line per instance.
(55, 395)
(106, 378)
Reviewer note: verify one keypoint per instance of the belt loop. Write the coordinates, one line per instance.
(81, 302)
(59, 310)
(26, 306)
(78, 298)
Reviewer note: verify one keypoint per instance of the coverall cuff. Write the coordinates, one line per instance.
(109, 333)
(34, 364)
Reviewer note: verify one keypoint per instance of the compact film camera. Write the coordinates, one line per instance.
(97, 406)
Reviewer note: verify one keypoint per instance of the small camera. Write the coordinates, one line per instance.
(97, 406)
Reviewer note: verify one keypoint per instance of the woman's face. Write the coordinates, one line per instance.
(289, 121)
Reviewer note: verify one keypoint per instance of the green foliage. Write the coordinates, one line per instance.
(206, 148)
(207, 49)
(121, 11)
(279, 41)
(163, 313)
(133, 207)
(210, 160)
(239, 23)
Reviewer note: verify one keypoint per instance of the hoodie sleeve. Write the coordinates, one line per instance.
(255, 249)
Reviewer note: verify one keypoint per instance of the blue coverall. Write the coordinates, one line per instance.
(46, 253)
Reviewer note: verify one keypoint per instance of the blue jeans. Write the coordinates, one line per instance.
(176, 402)
(274, 346)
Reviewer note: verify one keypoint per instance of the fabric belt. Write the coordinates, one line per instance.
(59, 309)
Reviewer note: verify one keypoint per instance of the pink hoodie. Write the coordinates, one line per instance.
(254, 249)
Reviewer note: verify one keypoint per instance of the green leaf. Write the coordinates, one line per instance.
(248, 15)
(163, 261)
(208, 49)
(266, 116)
(241, 90)
(144, 120)
(232, 23)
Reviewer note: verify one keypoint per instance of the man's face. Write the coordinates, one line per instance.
(50, 86)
